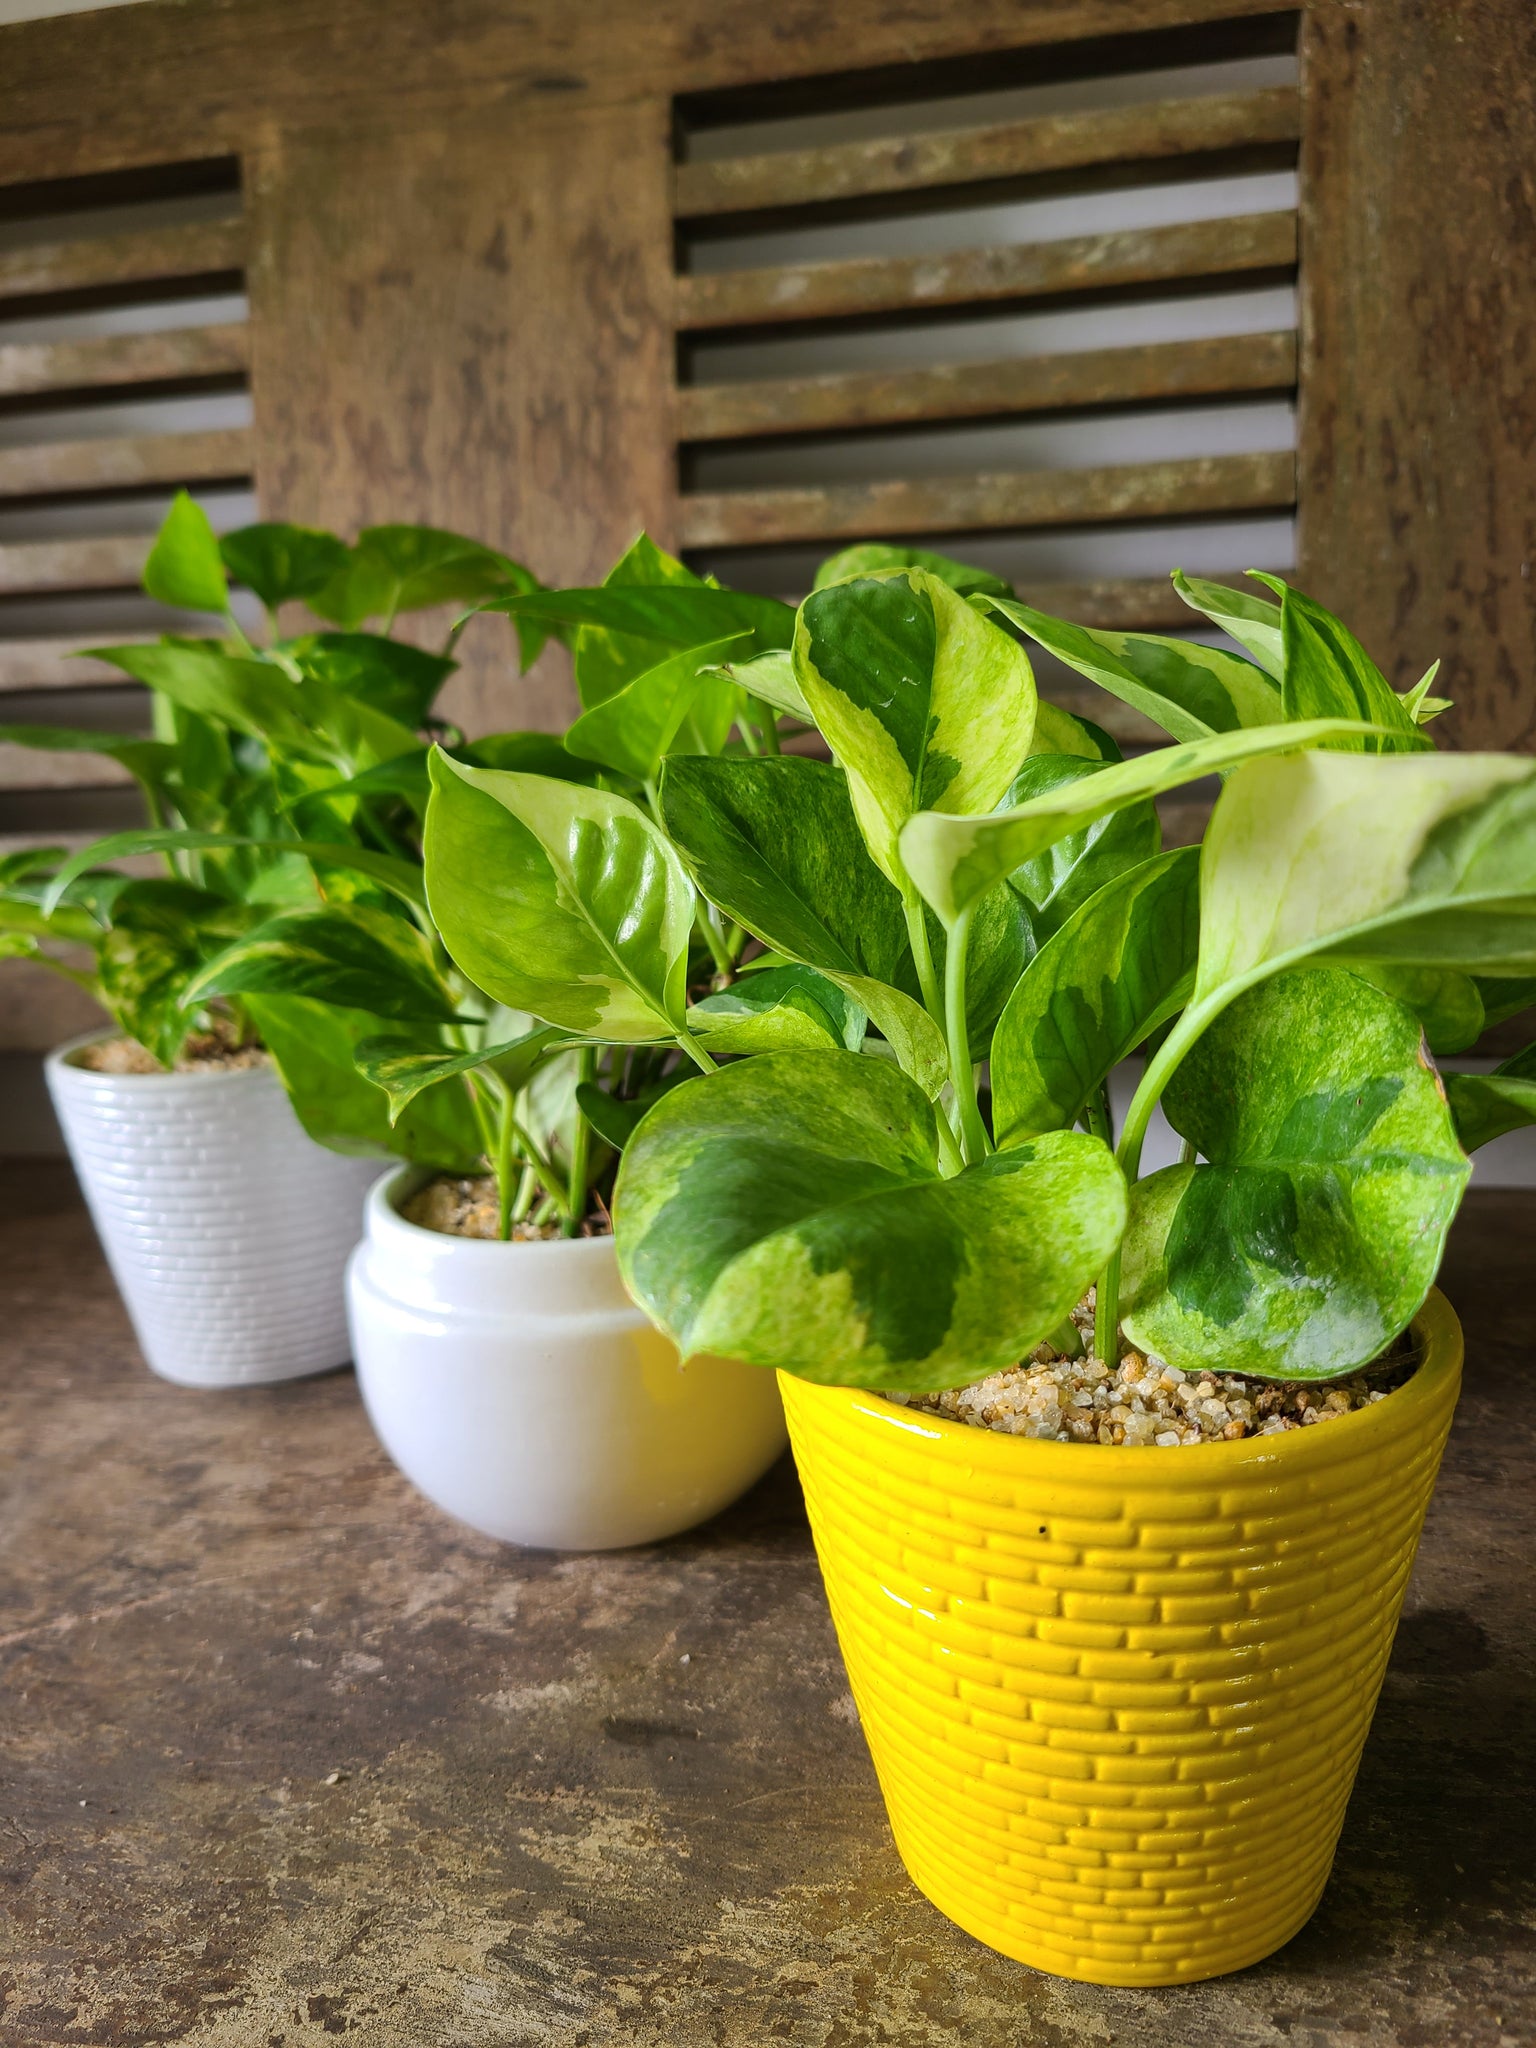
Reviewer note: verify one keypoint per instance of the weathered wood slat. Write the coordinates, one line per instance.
(52, 665)
(59, 467)
(1058, 497)
(174, 356)
(160, 256)
(1188, 251)
(1004, 149)
(37, 567)
(1121, 604)
(31, 768)
(1088, 377)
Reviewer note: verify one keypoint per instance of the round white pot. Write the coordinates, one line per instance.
(519, 1387)
(227, 1228)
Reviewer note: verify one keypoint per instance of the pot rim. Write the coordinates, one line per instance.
(395, 1182)
(62, 1060)
(996, 1451)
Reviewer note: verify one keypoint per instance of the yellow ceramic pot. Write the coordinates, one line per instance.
(1116, 1697)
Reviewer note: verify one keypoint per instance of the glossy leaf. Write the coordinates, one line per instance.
(314, 1046)
(562, 901)
(1189, 690)
(1252, 621)
(391, 675)
(637, 726)
(1313, 1235)
(874, 558)
(527, 753)
(184, 566)
(1055, 883)
(1486, 1106)
(925, 703)
(954, 861)
(281, 562)
(774, 844)
(1328, 674)
(359, 959)
(404, 1067)
(1122, 964)
(778, 1010)
(789, 1211)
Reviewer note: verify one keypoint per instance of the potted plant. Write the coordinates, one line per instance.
(1115, 1697)
(272, 778)
(544, 1000)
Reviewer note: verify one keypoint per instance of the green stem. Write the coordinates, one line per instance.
(1186, 1152)
(705, 917)
(770, 730)
(581, 1153)
(1097, 1116)
(950, 1161)
(527, 1188)
(504, 1169)
(695, 1051)
(922, 954)
(1107, 1294)
(962, 1074)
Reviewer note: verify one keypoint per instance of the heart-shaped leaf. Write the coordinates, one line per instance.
(925, 703)
(637, 726)
(184, 566)
(281, 562)
(1055, 883)
(1189, 690)
(874, 558)
(954, 861)
(358, 958)
(779, 1009)
(1118, 967)
(394, 569)
(789, 1211)
(562, 901)
(1486, 1106)
(1313, 1235)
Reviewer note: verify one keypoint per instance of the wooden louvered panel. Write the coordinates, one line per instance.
(1156, 372)
(1200, 251)
(161, 256)
(52, 665)
(36, 568)
(1121, 604)
(970, 504)
(178, 355)
(1165, 129)
(64, 467)
(36, 768)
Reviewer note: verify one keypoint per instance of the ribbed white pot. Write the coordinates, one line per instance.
(226, 1227)
(519, 1387)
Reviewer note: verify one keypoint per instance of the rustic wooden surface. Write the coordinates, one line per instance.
(288, 1755)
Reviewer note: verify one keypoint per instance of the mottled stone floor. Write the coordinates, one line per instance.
(285, 1754)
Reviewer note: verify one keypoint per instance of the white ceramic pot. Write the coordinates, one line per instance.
(519, 1387)
(226, 1227)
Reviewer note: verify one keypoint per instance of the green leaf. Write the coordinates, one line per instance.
(1504, 996)
(281, 562)
(1328, 674)
(1445, 1001)
(1486, 1106)
(925, 703)
(874, 558)
(1314, 1234)
(1189, 690)
(1061, 732)
(400, 877)
(616, 1118)
(394, 569)
(789, 1211)
(313, 1045)
(147, 761)
(184, 566)
(527, 753)
(775, 845)
(358, 958)
(403, 1067)
(1055, 883)
(916, 1042)
(1252, 621)
(779, 1010)
(562, 901)
(954, 861)
(634, 728)
(771, 679)
(391, 675)
(1119, 966)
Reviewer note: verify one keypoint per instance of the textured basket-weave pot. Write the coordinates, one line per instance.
(1116, 1697)
(227, 1228)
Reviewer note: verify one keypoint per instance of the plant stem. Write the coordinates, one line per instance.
(1106, 1312)
(714, 938)
(581, 1153)
(504, 1169)
(690, 1045)
(1066, 1339)
(950, 1161)
(527, 1188)
(770, 730)
(1187, 1152)
(1097, 1114)
(922, 954)
(974, 1141)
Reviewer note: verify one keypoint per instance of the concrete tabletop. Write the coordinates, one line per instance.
(286, 1754)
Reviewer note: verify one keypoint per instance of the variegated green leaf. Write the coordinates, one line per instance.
(1328, 674)
(1189, 690)
(1486, 1106)
(1314, 1233)
(1054, 883)
(780, 1009)
(1119, 966)
(771, 679)
(562, 901)
(1252, 621)
(357, 958)
(404, 1067)
(925, 703)
(1445, 1001)
(1062, 732)
(876, 558)
(789, 1211)
(954, 861)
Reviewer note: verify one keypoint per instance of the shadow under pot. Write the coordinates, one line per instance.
(518, 1386)
(226, 1228)
(1116, 1695)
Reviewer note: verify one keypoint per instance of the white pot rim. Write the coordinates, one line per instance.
(383, 1220)
(62, 1061)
